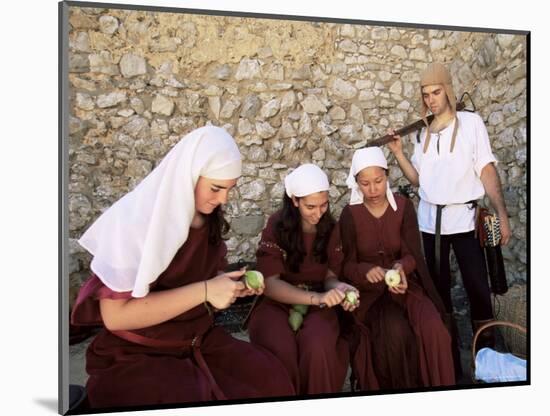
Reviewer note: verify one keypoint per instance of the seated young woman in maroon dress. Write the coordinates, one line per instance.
(157, 256)
(300, 255)
(400, 339)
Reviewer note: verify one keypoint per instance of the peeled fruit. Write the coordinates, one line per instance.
(253, 279)
(295, 320)
(300, 308)
(351, 297)
(392, 278)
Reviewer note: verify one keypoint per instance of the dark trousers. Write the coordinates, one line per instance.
(471, 263)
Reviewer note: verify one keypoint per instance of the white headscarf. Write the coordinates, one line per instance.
(364, 158)
(305, 180)
(138, 236)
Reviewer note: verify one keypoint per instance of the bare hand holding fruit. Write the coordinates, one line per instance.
(376, 274)
(351, 296)
(331, 298)
(254, 283)
(399, 282)
(392, 278)
(223, 290)
(351, 301)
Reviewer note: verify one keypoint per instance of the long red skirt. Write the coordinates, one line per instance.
(316, 357)
(127, 374)
(402, 345)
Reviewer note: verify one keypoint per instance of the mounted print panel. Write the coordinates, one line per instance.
(176, 122)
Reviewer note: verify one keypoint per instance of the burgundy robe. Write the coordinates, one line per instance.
(398, 341)
(126, 372)
(316, 357)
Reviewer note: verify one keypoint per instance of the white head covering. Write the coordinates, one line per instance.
(305, 180)
(364, 158)
(137, 237)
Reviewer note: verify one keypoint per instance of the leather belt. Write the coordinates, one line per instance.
(439, 212)
(194, 344)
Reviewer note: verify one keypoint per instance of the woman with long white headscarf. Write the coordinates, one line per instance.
(398, 338)
(300, 255)
(157, 259)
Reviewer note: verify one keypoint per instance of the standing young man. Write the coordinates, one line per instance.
(453, 166)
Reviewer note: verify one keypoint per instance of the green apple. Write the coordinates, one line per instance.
(253, 279)
(301, 309)
(295, 320)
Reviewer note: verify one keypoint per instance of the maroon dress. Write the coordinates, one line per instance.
(182, 360)
(316, 357)
(398, 341)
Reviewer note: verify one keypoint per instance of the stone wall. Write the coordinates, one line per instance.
(289, 92)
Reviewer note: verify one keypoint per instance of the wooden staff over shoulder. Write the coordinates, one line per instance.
(411, 128)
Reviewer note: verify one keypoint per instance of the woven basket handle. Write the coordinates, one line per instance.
(488, 325)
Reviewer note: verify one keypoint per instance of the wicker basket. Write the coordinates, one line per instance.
(512, 307)
(504, 325)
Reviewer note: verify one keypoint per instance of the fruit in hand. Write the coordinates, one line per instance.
(295, 320)
(351, 297)
(300, 308)
(392, 278)
(253, 279)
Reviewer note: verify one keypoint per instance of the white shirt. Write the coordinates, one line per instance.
(452, 179)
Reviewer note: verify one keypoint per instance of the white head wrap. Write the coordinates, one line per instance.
(305, 180)
(364, 158)
(138, 236)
